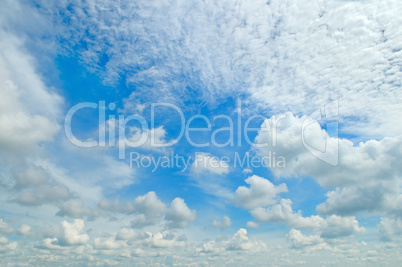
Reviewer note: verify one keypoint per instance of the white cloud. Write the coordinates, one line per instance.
(150, 210)
(287, 55)
(74, 208)
(72, 233)
(149, 204)
(336, 226)
(178, 214)
(6, 245)
(331, 227)
(371, 196)
(146, 139)
(239, 241)
(29, 110)
(225, 223)
(261, 193)
(283, 213)
(247, 171)
(299, 240)
(163, 240)
(367, 177)
(109, 243)
(367, 161)
(24, 229)
(130, 234)
(251, 224)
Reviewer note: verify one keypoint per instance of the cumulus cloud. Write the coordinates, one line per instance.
(283, 213)
(225, 223)
(178, 214)
(371, 196)
(367, 161)
(6, 245)
(261, 193)
(164, 240)
(366, 177)
(239, 241)
(331, 227)
(73, 233)
(150, 210)
(109, 243)
(299, 240)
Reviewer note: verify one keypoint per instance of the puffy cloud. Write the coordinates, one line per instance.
(283, 213)
(239, 241)
(370, 160)
(163, 240)
(261, 193)
(372, 196)
(178, 214)
(150, 210)
(225, 223)
(6, 245)
(24, 229)
(299, 240)
(109, 243)
(366, 178)
(72, 233)
(336, 226)
(331, 227)
(149, 204)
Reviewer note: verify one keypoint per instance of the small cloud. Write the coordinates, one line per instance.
(251, 224)
(247, 171)
(225, 223)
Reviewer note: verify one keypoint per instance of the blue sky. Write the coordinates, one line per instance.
(317, 83)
